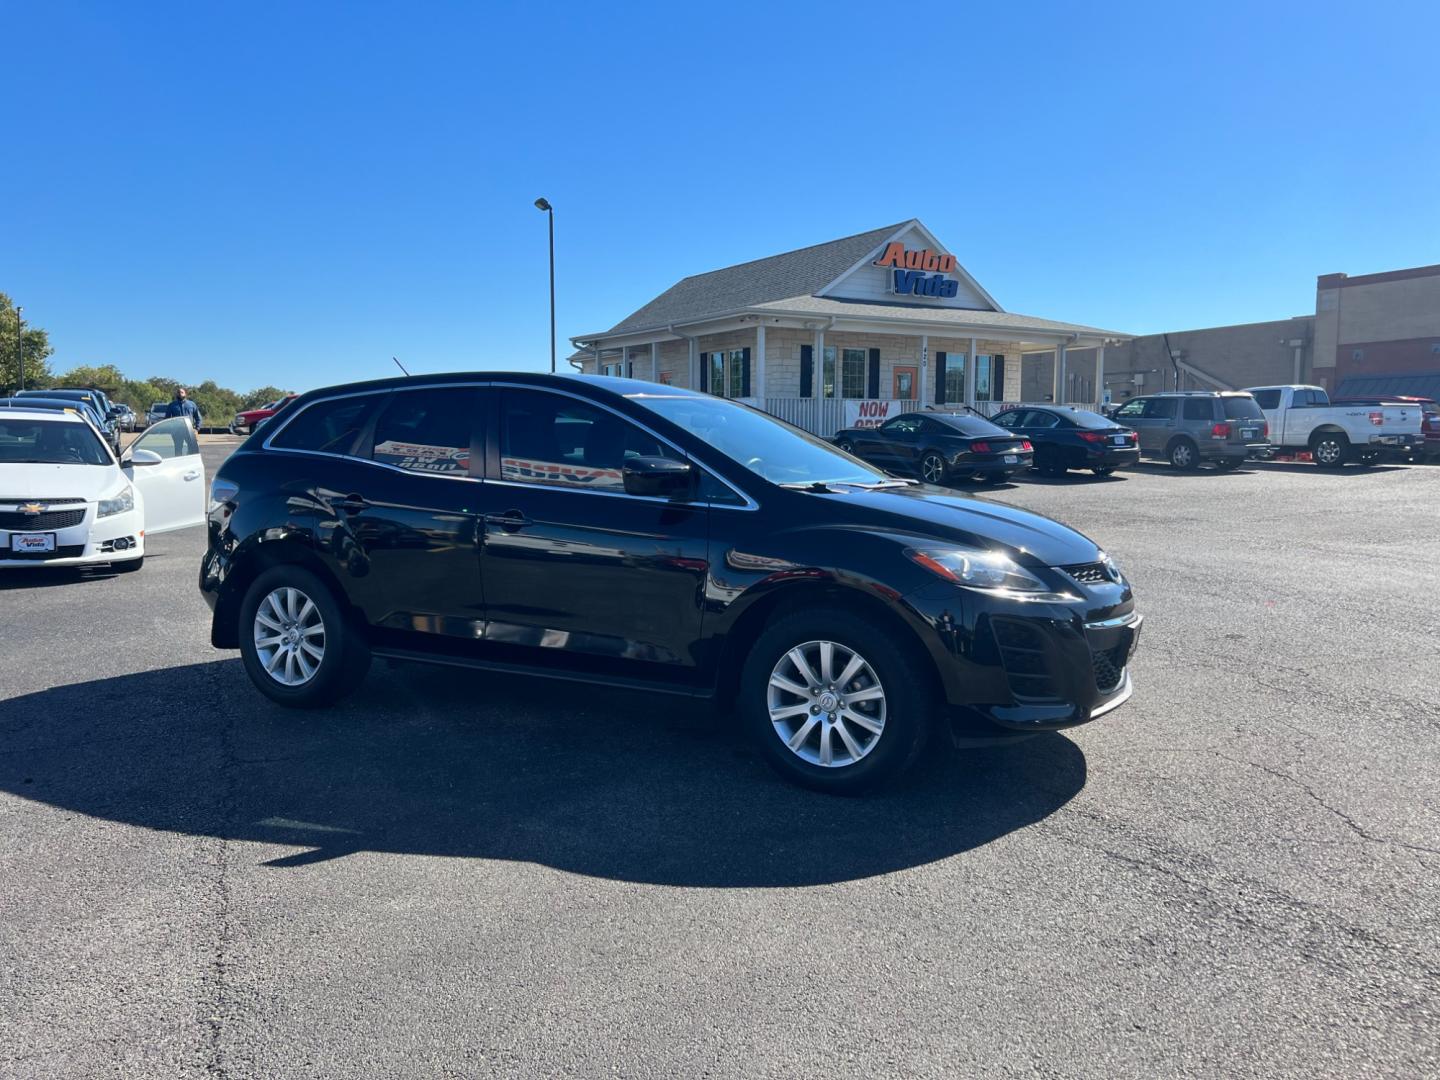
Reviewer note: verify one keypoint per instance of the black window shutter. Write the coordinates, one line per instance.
(745, 373)
(939, 378)
(704, 372)
(807, 370)
(874, 391)
(997, 378)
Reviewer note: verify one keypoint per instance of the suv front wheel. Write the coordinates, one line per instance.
(298, 647)
(834, 703)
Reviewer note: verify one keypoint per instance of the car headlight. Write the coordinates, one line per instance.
(119, 504)
(985, 571)
(1113, 568)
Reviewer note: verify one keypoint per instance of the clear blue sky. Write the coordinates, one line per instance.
(289, 193)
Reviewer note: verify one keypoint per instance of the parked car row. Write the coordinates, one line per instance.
(247, 420)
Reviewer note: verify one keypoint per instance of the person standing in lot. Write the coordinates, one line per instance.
(181, 405)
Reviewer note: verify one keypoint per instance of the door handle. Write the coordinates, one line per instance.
(353, 503)
(193, 474)
(509, 520)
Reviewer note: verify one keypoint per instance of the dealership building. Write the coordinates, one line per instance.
(868, 324)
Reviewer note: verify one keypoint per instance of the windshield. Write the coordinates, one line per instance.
(766, 446)
(49, 442)
(1242, 408)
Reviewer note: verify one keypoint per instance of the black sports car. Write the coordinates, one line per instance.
(939, 447)
(1066, 438)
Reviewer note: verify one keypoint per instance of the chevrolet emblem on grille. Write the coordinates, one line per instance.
(32, 508)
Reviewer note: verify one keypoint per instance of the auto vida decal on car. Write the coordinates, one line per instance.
(419, 457)
(525, 469)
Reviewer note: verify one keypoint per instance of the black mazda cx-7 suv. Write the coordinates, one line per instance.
(624, 532)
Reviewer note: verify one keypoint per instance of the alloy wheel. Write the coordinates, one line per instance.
(826, 704)
(932, 468)
(1328, 451)
(1182, 456)
(289, 636)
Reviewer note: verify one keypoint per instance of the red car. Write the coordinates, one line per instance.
(1429, 422)
(249, 418)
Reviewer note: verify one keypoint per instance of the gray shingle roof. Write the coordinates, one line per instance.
(959, 317)
(795, 273)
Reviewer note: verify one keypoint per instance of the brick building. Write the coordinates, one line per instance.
(884, 320)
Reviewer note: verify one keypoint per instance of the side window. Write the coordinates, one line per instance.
(428, 431)
(1035, 418)
(171, 438)
(1133, 409)
(1160, 408)
(902, 425)
(1009, 419)
(329, 427)
(1267, 399)
(557, 441)
(1199, 408)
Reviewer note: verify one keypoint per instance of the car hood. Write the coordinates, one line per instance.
(931, 512)
(88, 482)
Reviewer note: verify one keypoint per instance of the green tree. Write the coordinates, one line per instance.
(266, 394)
(35, 346)
(104, 377)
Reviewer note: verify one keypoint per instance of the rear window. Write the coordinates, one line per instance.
(1267, 399)
(329, 427)
(1086, 419)
(1242, 408)
(969, 425)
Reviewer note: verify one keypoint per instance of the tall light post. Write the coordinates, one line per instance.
(543, 204)
(20, 344)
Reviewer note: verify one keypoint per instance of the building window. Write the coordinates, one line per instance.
(1357, 355)
(852, 373)
(827, 373)
(955, 378)
(612, 369)
(982, 377)
(726, 375)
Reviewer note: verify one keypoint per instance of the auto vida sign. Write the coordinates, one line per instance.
(870, 413)
(919, 271)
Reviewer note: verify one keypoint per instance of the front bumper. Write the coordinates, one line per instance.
(1028, 666)
(91, 541)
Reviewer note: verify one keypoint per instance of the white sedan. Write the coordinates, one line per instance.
(66, 500)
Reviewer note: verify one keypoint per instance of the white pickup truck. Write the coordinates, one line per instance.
(1303, 420)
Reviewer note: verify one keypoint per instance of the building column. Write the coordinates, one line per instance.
(625, 361)
(654, 361)
(1059, 375)
(970, 370)
(924, 375)
(818, 364)
(758, 390)
(694, 361)
(1100, 374)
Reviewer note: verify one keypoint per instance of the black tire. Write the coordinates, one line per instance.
(1103, 470)
(1184, 454)
(933, 469)
(1049, 462)
(910, 701)
(1330, 449)
(345, 659)
(129, 566)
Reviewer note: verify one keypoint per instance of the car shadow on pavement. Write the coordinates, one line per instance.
(1311, 467)
(434, 761)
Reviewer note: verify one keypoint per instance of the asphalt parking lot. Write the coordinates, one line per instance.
(1238, 874)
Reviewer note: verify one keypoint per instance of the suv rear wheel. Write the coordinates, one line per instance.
(833, 702)
(298, 646)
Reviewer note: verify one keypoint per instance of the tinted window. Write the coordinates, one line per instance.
(427, 431)
(49, 442)
(1039, 418)
(959, 424)
(1134, 408)
(1199, 409)
(901, 425)
(1009, 419)
(330, 427)
(1267, 399)
(1160, 408)
(1086, 419)
(553, 439)
(1242, 408)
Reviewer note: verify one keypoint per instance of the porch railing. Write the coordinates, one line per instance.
(826, 416)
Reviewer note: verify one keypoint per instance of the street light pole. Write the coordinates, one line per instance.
(543, 204)
(20, 345)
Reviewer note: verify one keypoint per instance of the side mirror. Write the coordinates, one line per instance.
(141, 457)
(658, 477)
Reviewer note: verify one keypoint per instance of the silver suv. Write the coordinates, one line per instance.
(1190, 427)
